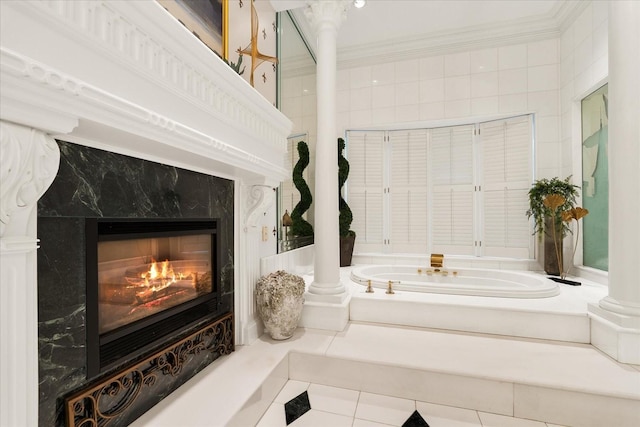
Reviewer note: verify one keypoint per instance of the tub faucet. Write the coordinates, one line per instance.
(437, 260)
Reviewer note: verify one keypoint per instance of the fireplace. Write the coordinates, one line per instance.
(146, 279)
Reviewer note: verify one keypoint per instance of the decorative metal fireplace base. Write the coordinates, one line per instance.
(106, 402)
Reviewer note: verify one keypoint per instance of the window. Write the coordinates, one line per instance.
(595, 180)
(455, 190)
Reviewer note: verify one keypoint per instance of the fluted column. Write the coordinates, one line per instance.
(616, 325)
(30, 160)
(326, 17)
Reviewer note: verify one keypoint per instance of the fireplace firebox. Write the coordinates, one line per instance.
(147, 280)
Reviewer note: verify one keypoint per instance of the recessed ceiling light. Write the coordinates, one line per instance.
(359, 3)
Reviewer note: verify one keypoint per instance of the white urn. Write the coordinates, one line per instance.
(279, 297)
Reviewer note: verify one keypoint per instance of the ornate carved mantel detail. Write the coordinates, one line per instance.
(323, 12)
(30, 160)
(260, 198)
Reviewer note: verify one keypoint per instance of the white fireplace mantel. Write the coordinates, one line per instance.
(126, 77)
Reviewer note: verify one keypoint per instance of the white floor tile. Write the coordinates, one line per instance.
(332, 399)
(290, 390)
(366, 423)
(274, 417)
(493, 420)
(384, 409)
(447, 416)
(315, 418)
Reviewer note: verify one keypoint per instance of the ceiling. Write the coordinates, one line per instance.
(393, 29)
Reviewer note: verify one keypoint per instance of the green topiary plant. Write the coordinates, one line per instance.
(300, 226)
(347, 236)
(539, 211)
(346, 216)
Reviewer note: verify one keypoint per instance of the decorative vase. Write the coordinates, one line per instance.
(551, 265)
(279, 297)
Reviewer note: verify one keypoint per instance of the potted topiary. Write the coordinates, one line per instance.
(547, 216)
(299, 226)
(347, 236)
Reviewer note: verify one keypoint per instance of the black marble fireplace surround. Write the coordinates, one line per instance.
(93, 183)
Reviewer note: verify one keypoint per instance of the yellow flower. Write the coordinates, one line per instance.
(553, 201)
(574, 213)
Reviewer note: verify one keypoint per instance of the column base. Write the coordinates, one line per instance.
(617, 335)
(328, 312)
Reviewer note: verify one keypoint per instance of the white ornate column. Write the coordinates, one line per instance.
(326, 301)
(615, 321)
(30, 160)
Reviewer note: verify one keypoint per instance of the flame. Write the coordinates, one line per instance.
(159, 278)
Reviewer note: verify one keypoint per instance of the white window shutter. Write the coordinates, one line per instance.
(408, 191)
(506, 170)
(452, 171)
(365, 188)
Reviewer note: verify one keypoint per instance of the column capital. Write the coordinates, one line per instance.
(326, 12)
(30, 160)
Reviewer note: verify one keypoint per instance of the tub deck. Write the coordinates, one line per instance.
(562, 317)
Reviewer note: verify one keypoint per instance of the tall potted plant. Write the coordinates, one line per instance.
(547, 216)
(347, 236)
(299, 226)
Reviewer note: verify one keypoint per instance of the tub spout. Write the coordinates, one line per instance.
(437, 260)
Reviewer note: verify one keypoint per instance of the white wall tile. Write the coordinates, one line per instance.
(485, 60)
(566, 70)
(516, 103)
(548, 156)
(360, 77)
(407, 71)
(383, 96)
(408, 113)
(600, 41)
(544, 103)
(600, 69)
(489, 105)
(600, 11)
(583, 83)
(582, 26)
(431, 90)
(309, 105)
(457, 108)
(292, 87)
(360, 98)
(343, 79)
(406, 94)
(566, 97)
(512, 57)
(512, 81)
(381, 116)
(544, 77)
(383, 74)
(566, 43)
(431, 67)
(309, 85)
(543, 52)
(343, 103)
(360, 118)
(583, 56)
(457, 64)
(456, 88)
(484, 84)
(547, 129)
(431, 111)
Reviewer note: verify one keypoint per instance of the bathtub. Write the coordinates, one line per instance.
(458, 281)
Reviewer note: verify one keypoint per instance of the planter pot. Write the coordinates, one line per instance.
(279, 297)
(551, 266)
(346, 249)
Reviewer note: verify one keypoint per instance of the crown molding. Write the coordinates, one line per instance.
(524, 30)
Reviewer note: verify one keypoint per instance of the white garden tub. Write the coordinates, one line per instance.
(459, 281)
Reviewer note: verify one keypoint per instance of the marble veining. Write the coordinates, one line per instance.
(96, 183)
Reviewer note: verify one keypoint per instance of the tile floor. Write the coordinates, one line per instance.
(337, 407)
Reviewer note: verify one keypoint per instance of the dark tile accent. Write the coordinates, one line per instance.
(415, 420)
(297, 407)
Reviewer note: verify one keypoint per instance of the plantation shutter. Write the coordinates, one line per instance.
(506, 172)
(452, 173)
(365, 188)
(408, 219)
